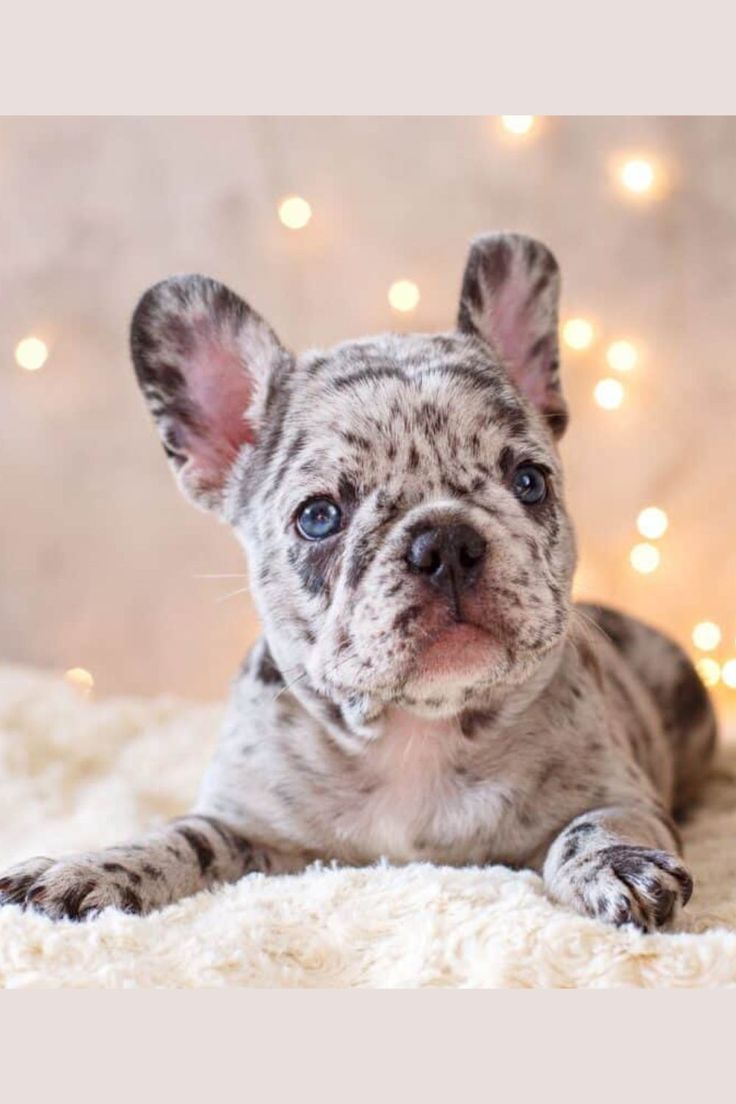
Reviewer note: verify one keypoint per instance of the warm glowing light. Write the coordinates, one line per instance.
(517, 124)
(294, 212)
(652, 523)
(609, 394)
(709, 670)
(637, 176)
(80, 679)
(403, 295)
(31, 353)
(622, 356)
(706, 636)
(644, 558)
(577, 333)
(728, 673)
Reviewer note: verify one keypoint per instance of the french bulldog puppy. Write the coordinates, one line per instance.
(424, 689)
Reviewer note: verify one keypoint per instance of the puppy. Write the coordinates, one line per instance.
(424, 689)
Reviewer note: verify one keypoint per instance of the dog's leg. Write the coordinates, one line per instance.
(619, 864)
(686, 712)
(186, 856)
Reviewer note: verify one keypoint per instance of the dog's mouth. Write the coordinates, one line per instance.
(446, 652)
(460, 648)
(452, 651)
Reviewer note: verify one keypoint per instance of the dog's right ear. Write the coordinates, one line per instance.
(203, 360)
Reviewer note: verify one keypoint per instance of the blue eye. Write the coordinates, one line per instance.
(529, 484)
(318, 519)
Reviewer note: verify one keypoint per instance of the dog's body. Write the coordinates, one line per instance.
(424, 689)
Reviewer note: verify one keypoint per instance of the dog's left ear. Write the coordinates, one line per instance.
(509, 297)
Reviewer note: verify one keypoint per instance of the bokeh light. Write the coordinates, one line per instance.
(728, 674)
(652, 522)
(518, 124)
(81, 679)
(31, 353)
(622, 356)
(578, 333)
(706, 636)
(644, 558)
(709, 670)
(637, 176)
(609, 394)
(403, 295)
(294, 212)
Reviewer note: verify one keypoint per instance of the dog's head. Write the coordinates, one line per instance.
(400, 497)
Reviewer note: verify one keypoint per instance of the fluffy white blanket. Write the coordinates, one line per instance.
(77, 774)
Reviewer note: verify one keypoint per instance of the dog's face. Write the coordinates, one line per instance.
(400, 498)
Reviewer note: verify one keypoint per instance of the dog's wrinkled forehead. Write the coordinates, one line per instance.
(392, 408)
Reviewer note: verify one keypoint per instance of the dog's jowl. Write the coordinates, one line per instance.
(424, 688)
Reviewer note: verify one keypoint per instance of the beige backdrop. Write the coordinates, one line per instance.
(100, 554)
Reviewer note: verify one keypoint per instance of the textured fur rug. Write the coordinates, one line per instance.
(77, 774)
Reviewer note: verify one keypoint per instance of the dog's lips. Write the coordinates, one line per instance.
(459, 648)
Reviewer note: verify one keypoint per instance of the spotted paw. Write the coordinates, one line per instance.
(18, 880)
(624, 884)
(74, 888)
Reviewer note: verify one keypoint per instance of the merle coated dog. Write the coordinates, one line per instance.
(424, 688)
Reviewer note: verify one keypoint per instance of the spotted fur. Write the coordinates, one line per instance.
(381, 714)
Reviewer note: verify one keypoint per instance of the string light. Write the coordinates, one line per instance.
(637, 176)
(31, 353)
(709, 670)
(706, 636)
(294, 212)
(81, 680)
(403, 295)
(578, 333)
(652, 523)
(609, 394)
(728, 673)
(622, 356)
(644, 558)
(518, 124)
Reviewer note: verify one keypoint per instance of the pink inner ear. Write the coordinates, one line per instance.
(220, 389)
(513, 335)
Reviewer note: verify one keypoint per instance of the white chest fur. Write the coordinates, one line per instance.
(417, 804)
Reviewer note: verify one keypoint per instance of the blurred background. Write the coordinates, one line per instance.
(333, 227)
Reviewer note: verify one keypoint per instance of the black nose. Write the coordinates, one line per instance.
(449, 556)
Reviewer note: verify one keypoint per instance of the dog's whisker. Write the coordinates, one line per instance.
(328, 673)
(288, 686)
(232, 575)
(232, 594)
(589, 622)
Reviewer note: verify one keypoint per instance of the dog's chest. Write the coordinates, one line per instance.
(416, 798)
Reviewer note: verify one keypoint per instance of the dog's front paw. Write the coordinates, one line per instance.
(74, 888)
(18, 880)
(625, 884)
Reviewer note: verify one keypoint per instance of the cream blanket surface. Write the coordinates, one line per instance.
(76, 774)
